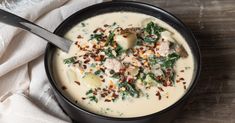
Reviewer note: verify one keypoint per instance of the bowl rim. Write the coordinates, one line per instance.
(197, 68)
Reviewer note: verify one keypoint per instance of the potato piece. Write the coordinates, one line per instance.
(72, 76)
(167, 36)
(133, 71)
(126, 40)
(91, 80)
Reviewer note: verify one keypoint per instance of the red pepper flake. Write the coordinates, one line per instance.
(63, 88)
(147, 87)
(106, 25)
(184, 87)
(98, 58)
(105, 89)
(95, 93)
(97, 52)
(76, 101)
(141, 48)
(76, 62)
(84, 66)
(98, 29)
(105, 36)
(168, 69)
(106, 94)
(103, 80)
(77, 82)
(122, 70)
(177, 81)
(102, 69)
(101, 76)
(130, 80)
(109, 91)
(76, 43)
(103, 95)
(164, 84)
(115, 95)
(184, 83)
(102, 57)
(158, 78)
(160, 88)
(86, 61)
(182, 71)
(83, 98)
(182, 79)
(107, 100)
(79, 36)
(111, 86)
(85, 56)
(125, 36)
(142, 63)
(159, 95)
(168, 73)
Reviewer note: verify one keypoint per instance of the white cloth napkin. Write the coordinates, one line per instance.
(25, 94)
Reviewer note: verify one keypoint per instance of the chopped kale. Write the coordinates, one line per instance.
(109, 53)
(98, 37)
(129, 89)
(83, 24)
(89, 92)
(152, 76)
(153, 31)
(114, 24)
(116, 75)
(69, 60)
(97, 72)
(172, 77)
(153, 59)
(141, 75)
(169, 62)
(119, 50)
(93, 98)
(139, 40)
(150, 39)
(110, 40)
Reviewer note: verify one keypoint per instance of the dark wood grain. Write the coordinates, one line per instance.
(213, 24)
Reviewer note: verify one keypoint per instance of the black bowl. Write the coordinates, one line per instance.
(79, 114)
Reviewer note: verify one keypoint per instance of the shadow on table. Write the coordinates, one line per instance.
(213, 98)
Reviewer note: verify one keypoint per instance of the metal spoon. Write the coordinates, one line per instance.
(17, 21)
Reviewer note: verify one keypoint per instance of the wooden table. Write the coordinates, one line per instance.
(213, 23)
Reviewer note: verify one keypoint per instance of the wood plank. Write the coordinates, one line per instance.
(213, 23)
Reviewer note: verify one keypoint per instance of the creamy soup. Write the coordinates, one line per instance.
(124, 64)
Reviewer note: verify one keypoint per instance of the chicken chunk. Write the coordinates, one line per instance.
(126, 40)
(113, 64)
(164, 48)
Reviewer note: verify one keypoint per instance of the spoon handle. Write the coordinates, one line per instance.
(17, 21)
